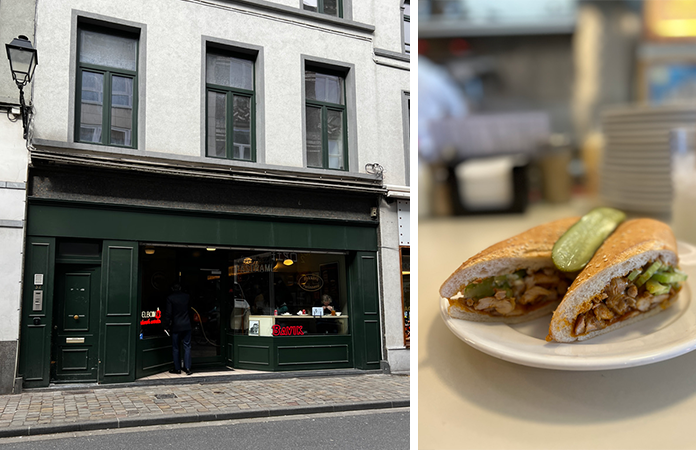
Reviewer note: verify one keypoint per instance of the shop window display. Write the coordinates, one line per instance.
(245, 292)
(289, 294)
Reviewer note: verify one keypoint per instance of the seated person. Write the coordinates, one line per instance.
(327, 326)
(326, 304)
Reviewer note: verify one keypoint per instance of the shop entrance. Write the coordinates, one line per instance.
(200, 274)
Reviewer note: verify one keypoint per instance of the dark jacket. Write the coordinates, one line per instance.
(177, 314)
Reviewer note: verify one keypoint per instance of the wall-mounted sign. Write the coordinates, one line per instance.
(151, 317)
(288, 331)
(310, 282)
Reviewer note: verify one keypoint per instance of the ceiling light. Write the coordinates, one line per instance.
(210, 249)
(288, 262)
(149, 250)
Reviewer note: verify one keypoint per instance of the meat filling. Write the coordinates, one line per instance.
(620, 300)
(513, 294)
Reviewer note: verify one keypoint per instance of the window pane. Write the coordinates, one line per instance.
(310, 5)
(228, 71)
(331, 7)
(314, 137)
(121, 110)
(91, 107)
(108, 50)
(335, 132)
(324, 88)
(217, 124)
(241, 116)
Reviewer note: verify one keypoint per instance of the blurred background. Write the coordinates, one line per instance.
(554, 106)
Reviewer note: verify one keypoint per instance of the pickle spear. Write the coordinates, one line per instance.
(576, 247)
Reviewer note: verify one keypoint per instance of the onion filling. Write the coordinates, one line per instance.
(513, 294)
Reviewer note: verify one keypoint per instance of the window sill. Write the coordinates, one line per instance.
(404, 57)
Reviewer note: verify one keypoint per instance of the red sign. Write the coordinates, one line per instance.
(288, 331)
(153, 317)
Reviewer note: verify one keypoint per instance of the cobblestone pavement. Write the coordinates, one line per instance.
(43, 408)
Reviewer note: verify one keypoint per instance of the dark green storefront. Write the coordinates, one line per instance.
(81, 312)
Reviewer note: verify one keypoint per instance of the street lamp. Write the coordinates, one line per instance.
(23, 60)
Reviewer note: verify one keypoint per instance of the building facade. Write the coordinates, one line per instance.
(253, 152)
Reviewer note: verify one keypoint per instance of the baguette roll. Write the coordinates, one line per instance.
(608, 293)
(512, 281)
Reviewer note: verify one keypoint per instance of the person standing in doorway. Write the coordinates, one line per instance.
(177, 318)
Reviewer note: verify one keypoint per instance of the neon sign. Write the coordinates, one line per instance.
(288, 331)
(151, 317)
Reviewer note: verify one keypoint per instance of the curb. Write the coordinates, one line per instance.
(212, 379)
(130, 422)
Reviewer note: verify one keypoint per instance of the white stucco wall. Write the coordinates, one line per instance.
(13, 173)
(388, 27)
(390, 152)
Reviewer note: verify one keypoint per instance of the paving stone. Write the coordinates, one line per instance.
(108, 403)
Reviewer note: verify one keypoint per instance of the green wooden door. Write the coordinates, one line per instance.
(367, 348)
(76, 323)
(37, 312)
(119, 311)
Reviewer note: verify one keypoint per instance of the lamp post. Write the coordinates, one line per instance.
(23, 60)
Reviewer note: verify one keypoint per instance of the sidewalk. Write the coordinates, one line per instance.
(55, 410)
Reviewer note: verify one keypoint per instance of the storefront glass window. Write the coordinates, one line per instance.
(289, 294)
(245, 292)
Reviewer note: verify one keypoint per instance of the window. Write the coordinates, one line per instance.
(325, 114)
(329, 7)
(107, 77)
(303, 292)
(407, 25)
(230, 107)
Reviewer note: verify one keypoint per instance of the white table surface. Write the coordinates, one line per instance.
(469, 400)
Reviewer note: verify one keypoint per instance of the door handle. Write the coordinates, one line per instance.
(76, 316)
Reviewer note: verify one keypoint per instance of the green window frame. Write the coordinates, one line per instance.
(329, 7)
(328, 125)
(113, 89)
(234, 101)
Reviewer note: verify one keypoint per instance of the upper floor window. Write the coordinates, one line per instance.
(230, 122)
(325, 114)
(107, 80)
(329, 7)
(407, 25)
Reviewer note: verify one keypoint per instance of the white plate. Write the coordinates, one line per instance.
(667, 335)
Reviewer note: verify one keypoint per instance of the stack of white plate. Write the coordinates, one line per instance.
(636, 171)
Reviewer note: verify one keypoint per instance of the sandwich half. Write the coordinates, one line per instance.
(632, 276)
(512, 281)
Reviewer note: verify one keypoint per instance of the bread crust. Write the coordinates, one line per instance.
(528, 250)
(632, 245)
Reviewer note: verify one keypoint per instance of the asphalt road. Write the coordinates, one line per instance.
(376, 429)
